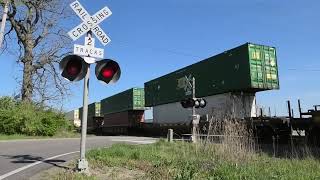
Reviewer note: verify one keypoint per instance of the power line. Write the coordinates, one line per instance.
(310, 70)
(176, 52)
(169, 51)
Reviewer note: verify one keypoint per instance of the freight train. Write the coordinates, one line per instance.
(227, 81)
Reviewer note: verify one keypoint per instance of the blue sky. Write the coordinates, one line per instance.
(152, 38)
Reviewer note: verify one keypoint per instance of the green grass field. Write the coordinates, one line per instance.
(19, 136)
(180, 160)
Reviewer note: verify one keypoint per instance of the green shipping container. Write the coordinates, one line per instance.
(247, 68)
(131, 99)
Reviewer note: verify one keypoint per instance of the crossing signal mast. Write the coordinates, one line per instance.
(77, 66)
(193, 103)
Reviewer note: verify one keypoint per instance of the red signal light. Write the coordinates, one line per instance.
(74, 67)
(107, 72)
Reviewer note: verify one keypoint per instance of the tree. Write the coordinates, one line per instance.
(37, 27)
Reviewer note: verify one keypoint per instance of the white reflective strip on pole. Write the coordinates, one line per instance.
(3, 23)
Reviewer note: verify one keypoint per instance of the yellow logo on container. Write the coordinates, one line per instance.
(256, 55)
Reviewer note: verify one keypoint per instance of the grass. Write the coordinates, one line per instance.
(20, 136)
(180, 160)
(234, 157)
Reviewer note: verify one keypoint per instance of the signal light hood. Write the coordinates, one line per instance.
(73, 68)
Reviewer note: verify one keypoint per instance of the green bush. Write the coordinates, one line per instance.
(29, 119)
(7, 103)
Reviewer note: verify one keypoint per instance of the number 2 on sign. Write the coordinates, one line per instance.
(89, 42)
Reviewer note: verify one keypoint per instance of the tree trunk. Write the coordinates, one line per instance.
(27, 84)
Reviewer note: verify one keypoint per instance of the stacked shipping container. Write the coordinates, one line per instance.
(74, 117)
(247, 68)
(131, 99)
(94, 110)
(122, 122)
(220, 106)
(228, 81)
(123, 111)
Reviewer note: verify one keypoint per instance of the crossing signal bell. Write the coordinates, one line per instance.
(108, 71)
(73, 68)
(194, 102)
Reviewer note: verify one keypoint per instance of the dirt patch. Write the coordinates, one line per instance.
(117, 173)
(112, 173)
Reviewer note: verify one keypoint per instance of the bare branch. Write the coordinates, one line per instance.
(37, 15)
(44, 33)
(29, 16)
(7, 33)
(42, 45)
(14, 9)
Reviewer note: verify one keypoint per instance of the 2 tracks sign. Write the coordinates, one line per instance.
(90, 23)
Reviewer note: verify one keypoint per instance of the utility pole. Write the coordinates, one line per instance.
(194, 130)
(4, 19)
(193, 95)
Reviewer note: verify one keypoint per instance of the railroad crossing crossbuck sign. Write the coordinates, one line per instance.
(90, 23)
(186, 84)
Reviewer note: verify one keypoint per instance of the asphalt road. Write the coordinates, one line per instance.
(21, 159)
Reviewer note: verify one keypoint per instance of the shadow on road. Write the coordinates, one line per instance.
(28, 159)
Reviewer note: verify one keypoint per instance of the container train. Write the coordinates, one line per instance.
(227, 81)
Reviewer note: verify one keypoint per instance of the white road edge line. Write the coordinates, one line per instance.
(33, 164)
